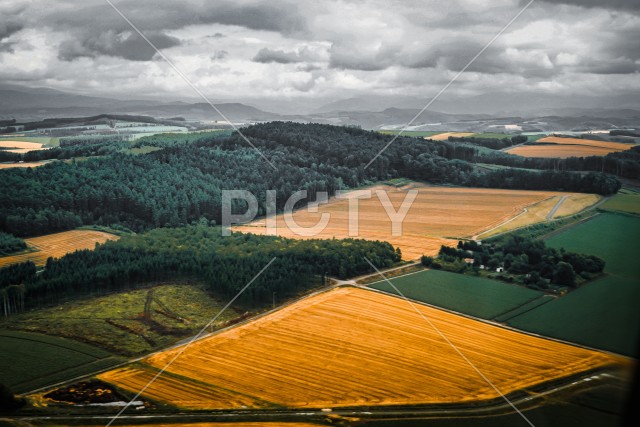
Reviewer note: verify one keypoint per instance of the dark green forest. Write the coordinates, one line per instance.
(182, 182)
(10, 244)
(224, 264)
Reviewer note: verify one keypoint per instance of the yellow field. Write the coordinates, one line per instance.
(562, 148)
(444, 136)
(20, 146)
(615, 146)
(57, 245)
(329, 351)
(23, 165)
(534, 214)
(438, 216)
(576, 203)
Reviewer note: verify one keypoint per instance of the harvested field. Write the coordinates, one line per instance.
(438, 216)
(614, 146)
(557, 147)
(328, 351)
(20, 146)
(23, 165)
(576, 203)
(57, 245)
(444, 136)
(539, 212)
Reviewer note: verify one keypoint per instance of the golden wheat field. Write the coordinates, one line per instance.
(23, 165)
(438, 216)
(20, 147)
(444, 136)
(569, 204)
(328, 351)
(557, 147)
(57, 245)
(615, 146)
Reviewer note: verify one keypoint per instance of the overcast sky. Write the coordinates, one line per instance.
(236, 49)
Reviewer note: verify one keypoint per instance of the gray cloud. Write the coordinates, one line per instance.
(219, 54)
(266, 55)
(128, 45)
(605, 4)
(7, 29)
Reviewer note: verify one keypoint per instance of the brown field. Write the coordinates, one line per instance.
(444, 136)
(20, 146)
(438, 216)
(572, 204)
(57, 245)
(615, 146)
(562, 148)
(23, 165)
(329, 350)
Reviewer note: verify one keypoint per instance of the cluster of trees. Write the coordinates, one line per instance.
(71, 141)
(492, 143)
(10, 244)
(624, 164)
(225, 264)
(527, 257)
(183, 181)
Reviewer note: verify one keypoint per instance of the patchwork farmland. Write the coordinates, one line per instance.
(328, 351)
(558, 147)
(438, 216)
(57, 245)
(20, 147)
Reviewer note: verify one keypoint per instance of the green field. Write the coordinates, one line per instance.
(475, 296)
(624, 201)
(603, 313)
(115, 322)
(29, 361)
(492, 135)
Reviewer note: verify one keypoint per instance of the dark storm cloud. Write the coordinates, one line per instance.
(605, 4)
(153, 15)
(128, 45)
(7, 29)
(267, 55)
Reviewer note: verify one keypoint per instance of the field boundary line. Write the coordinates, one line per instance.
(188, 81)
(187, 345)
(458, 74)
(452, 345)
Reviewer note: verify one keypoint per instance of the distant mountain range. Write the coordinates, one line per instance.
(537, 113)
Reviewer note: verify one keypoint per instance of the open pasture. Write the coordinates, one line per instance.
(466, 294)
(28, 361)
(600, 313)
(328, 351)
(57, 245)
(438, 216)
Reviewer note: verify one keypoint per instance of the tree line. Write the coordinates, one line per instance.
(10, 244)
(224, 264)
(183, 181)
